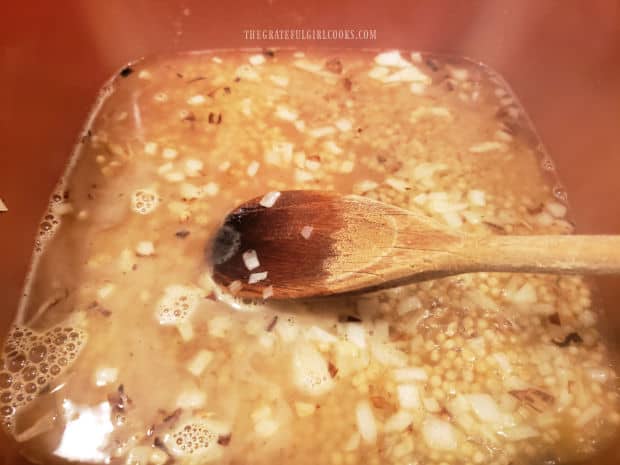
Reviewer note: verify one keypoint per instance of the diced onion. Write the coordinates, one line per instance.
(286, 113)
(199, 362)
(398, 422)
(343, 124)
(439, 434)
(598, 374)
(409, 304)
(235, 286)
(253, 168)
(267, 292)
(417, 88)
(391, 58)
(431, 404)
(304, 409)
(266, 427)
(256, 277)
(314, 333)
(191, 398)
(257, 59)
(503, 362)
(408, 396)
(409, 74)
(410, 374)
(525, 295)
(556, 209)
(476, 198)
(250, 259)
(196, 100)
(310, 371)
(487, 147)
(322, 131)
(306, 232)
(485, 408)
(388, 355)
(397, 184)
(366, 424)
(356, 334)
(269, 199)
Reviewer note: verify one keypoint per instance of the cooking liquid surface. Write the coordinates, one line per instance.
(125, 352)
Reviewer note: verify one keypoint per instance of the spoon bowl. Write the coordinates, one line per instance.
(314, 243)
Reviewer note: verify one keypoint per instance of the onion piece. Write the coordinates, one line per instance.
(488, 146)
(409, 304)
(306, 232)
(235, 286)
(286, 113)
(310, 370)
(191, 398)
(253, 168)
(256, 277)
(199, 362)
(266, 428)
(257, 59)
(388, 355)
(356, 334)
(503, 362)
(439, 434)
(476, 197)
(269, 199)
(317, 334)
(598, 374)
(408, 396)
(397, 184)
(485, 408)
(431, 405)
(391, 58)
(196, 100)
(556, 209)
(267, 292)
(250, 259)
(366, 424)
(145, 248)
(398, 422)
(304, 409)
(525, 295)
(410, 374)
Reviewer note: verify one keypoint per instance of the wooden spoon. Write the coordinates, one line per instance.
(313, 243)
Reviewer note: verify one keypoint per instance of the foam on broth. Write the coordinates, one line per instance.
(123, 351)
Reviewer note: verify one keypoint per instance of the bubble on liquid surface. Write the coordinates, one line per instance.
(144, 201)
(547, 164)
(177, 303)
(197, 437)
(25, 365)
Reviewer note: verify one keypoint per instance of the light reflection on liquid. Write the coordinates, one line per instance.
(86, 432)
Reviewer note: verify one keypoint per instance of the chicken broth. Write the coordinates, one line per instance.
(124, 351)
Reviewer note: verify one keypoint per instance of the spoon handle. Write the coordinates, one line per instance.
(571, 254)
